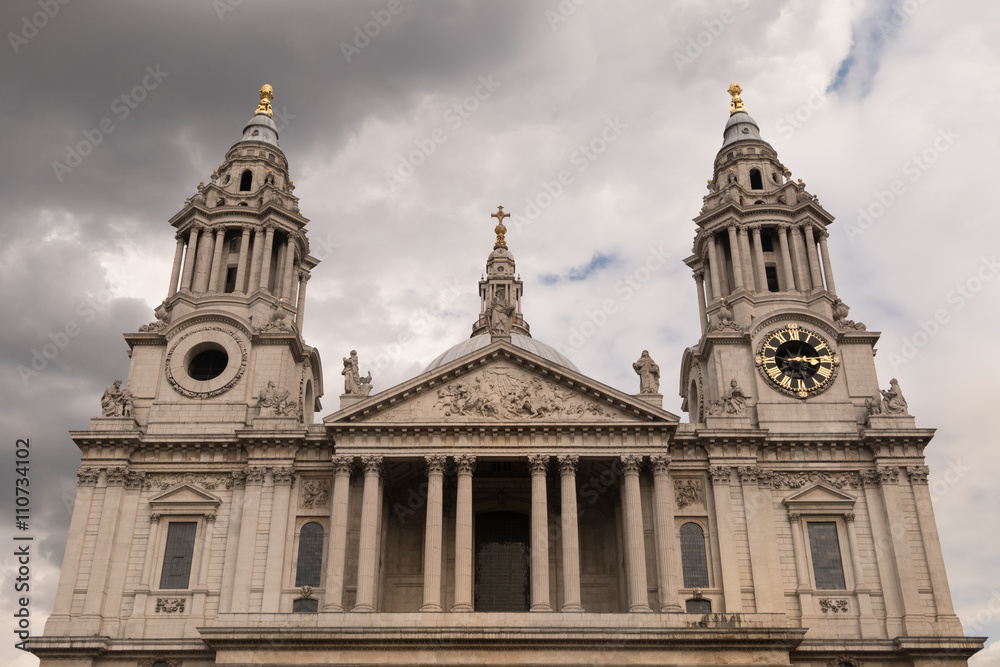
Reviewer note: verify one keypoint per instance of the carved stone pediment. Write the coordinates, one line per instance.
(502, 388)
(819, 498)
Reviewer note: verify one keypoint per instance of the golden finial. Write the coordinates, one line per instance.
(266, 95)
(500, 229)
(737, 103)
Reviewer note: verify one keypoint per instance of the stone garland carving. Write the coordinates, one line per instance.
(215, 392)
(844, 661)
(164, 481)
(315, 493)
(354, 384)
(917, 474)
(834, 605)
(117, 402)
(149, 662)
(276, 321)
(687, 492)
(282, 476)
(170, 605)
(734, 403)
(720, 474)
(273, 402)
(162, 316)
(724, 318)
(504, 394)
(840, 311)
(648, 372)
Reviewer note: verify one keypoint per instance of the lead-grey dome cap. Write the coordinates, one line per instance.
(476, 343)
(261, 128)
(741, 127)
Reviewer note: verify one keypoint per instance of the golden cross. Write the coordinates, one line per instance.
(500, 229)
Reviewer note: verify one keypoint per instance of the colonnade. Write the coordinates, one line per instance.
(540, 600)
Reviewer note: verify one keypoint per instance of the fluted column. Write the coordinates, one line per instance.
(433, 525)
(570, 533)
(734, 250)
(371, 511)
(465, 464)
(205, 249)
(799, 260)
(718, 291)
(635, 547)
(666, 548)
(827, 267)
(539, 535)
(287, 288)
(336, 556)
(786, 259)
(258, 250)
(699, 278)
(214, 270)
(814, 273)
(175, 270)
(241, 267)
(265, 260)
(747, 260)
(758, 264)
(189, 258)
(300, 308)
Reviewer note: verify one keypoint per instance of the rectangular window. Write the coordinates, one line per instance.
(824, 547)
(230, 280)
(771, 273)
(178, 555)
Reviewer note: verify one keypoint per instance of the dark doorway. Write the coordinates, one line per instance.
(502, 576)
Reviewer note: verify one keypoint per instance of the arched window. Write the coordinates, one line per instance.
(310, 563)
(246, 180)
(694, 559)
(756, 182)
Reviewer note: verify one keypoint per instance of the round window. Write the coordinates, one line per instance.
(208, 364)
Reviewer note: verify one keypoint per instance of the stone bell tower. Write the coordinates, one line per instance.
(226, 347)
(776, 349)
(501, 290)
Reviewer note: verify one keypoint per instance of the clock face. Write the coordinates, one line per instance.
(797, 361)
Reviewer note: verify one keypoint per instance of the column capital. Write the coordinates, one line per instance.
(304, 276)
(849, 517)
(632, 463)
(255, 474)
(342, 465)
(154, 517)
(749, 474)
(245, 229)
(282, 476)
(660, 463)
(372, 464)
(568, 464)
(755, 227)
(220, 230)
(180, 237)
(269, 226)
(698, 274)
(917, 474)
(465, 463)
(794, 517)
(720, 474)
(732, 224)
(538, 464)
(435, 463)
(87, 476)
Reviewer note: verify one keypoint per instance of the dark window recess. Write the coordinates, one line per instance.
(246, 180)
(824, 547)
(694, 560)
(774, 177)
(310, 563)
(502, 582)
(730, 155)
(178, 554)
(230, 279)
(766, 243)
(695, 606)
(502, 466)
(234, 244)
(160, 663)
(208, 364)
(305, 606)
(756, 182)
(771, 273)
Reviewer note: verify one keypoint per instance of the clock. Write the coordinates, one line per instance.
(797, 361)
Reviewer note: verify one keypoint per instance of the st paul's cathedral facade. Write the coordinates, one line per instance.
(502, 508)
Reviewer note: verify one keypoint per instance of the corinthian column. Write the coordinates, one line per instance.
(241, 267)
(734, 249)
(432, 533)
(718, 291)
(539, 535)
(570, 535)
(663, 507)
(817, 277)
(265, 261)
(635, 547)
(465, 464)
(175, 270)
(189, 258)
(758, 260)
(827, 268)
(335, 559)
(215, 269)
(371, 510)
(786, 259)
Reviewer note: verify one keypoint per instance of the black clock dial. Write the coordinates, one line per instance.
(797, 361)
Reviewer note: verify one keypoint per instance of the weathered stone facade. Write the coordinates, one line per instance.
(501, 508)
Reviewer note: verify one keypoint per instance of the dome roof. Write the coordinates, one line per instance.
(740, 127)
(261, 128)
(476, 343)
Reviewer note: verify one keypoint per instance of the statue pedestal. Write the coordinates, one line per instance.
(347, 400)
(495, 337)
(721, 422)
(113, 424)
(652, 399)
(891, 421)
(275, 424)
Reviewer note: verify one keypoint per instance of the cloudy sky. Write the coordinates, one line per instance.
(402, 141)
